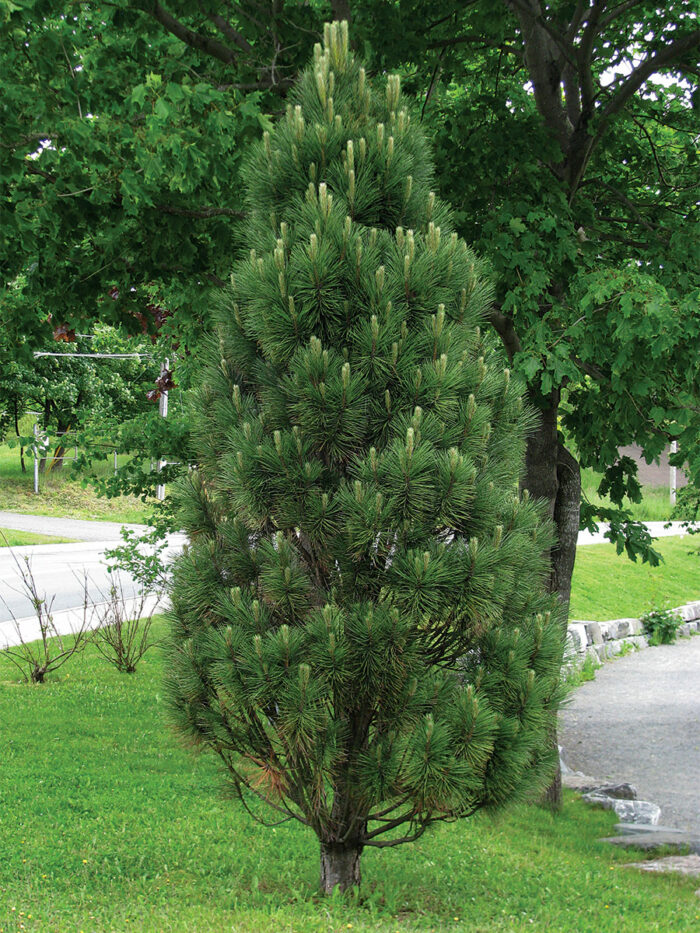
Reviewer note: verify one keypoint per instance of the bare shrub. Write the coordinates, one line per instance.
(41, 649)
(122, 635)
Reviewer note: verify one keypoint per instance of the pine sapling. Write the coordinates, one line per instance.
(360, 630)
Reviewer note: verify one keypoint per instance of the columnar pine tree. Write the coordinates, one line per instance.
(360, 631)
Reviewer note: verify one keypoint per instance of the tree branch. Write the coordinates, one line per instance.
(545, 55)
(504, 327)
(32, 169)
(646, 132)
(636, 79)
(230, 32)
(194, 39)
(576, 19)
(201, 213)
(433, 82)
(618, 11)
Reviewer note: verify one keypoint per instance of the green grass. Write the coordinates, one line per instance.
(11, 538)
(608, 586)
(654, 507)
(60, 494)
(108, 824)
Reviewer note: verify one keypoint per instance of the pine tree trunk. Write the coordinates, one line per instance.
(340, 866)
(553, 474)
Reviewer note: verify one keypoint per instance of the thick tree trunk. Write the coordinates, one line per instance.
(340, 866)
(553, 474)
(541, 455)
(566, 517)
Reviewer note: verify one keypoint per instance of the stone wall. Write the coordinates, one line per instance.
(603, 640)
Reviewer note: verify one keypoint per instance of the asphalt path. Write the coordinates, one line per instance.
(61, 572)
(639, 721)
(79, 529)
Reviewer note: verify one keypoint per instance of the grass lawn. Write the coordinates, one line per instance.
(108, 824)
(11, 538)
(608, 586)
(654, 507)
(60, 494)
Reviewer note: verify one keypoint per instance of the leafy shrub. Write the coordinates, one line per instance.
(661, 626)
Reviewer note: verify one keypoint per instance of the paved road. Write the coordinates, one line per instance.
(82, 530)
(656, 529)
(59, 571)
(639, 721)
(79, 529)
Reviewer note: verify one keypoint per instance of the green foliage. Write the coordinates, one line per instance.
(626, 533)
(141, 557)
(661, 626)
(579, 184)
(123, 178)
(360, 630)
(86, 395)
(119, 180)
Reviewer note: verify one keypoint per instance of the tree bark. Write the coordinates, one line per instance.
(567, 509)
(552, 474)
(566, 517)
(340, 866)
(21, 449)
(542, 453)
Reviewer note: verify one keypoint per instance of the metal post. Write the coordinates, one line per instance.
(673, 479)
(36, 458)
(163, 410)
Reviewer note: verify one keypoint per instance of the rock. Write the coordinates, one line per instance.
(629, 811)
(595, 634)
(679, 864)
(621, 628)
(563, 767)
(577, 637)
(637, 811)
(650, 841)
(690, 612)
(583, 783)
(623, 791)
(629, 829)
